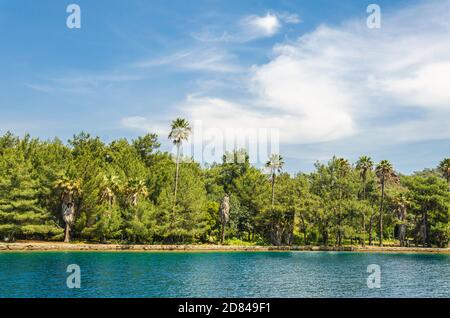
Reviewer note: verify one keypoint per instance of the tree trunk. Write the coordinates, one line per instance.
(381, 213)
(364, 190)
(222, 238)
(303, 229)
(68, 209)
(402, 235)
(370, 229)
(425, 230)
(363, 243)
(289, 232)
(276, 235)
(176, 177)
(363, 231)
(325, 238)
(273, 189)
(67, 234)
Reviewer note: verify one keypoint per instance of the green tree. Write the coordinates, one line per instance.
(384, 171)
(69, 190)
(135, 189)
(180, 131)
(146, 147)
(401, 205)
(275, 165)
(430, 203)
(21, 215)
(364, 165)
(444, 167)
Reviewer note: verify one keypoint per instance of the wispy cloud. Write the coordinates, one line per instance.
(142, 124)
(198, 59)
(81, 83)
(248, 28)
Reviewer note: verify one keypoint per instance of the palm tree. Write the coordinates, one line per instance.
(364, 165)
(275, 165)
(180, 131)
(343, 168)
(109, 186)
(444, 167)
(384, 172)
(69, 190)
(401, 204)
(135, 189)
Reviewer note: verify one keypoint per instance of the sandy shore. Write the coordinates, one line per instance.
(49, 246)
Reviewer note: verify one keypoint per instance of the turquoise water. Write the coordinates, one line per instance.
(231, 274)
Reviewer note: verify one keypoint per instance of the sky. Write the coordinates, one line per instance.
(311, 70)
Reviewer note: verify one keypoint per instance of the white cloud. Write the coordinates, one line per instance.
(427, 86)
(142, 124)
(256, 27)
(200, 59)
(248, 28)
(347, 82)
(82, 83)
(389, 85)
(290, 18)
(234, 117)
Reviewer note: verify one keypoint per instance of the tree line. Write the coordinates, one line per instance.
(132, 192)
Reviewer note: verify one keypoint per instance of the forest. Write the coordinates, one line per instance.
(131, 192)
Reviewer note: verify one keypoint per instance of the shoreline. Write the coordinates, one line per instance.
(67, 247)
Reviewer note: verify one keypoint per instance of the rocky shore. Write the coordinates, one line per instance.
(48, 246)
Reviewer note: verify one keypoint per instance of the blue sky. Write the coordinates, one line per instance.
(311, 69)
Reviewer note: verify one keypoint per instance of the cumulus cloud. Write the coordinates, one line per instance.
(388, 84)
(344, 88)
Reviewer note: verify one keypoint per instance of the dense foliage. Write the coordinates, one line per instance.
(131, 192)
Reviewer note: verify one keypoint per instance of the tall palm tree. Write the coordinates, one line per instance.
(384, 171)
(69, 190)
(180, 131)
(343, 168)
(135, 188)
(444, 167)
(275, 165)
(364, 165)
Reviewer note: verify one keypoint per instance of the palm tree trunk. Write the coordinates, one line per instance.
(176, 177)
(364, 231)
(67, 234)
(381, 213)
(222, 238)
(364, 217)
(273, 189)
(364, 190)
(370, 229)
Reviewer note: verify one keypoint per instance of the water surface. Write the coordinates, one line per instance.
(223, 274)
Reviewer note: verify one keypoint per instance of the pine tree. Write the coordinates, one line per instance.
(21, 216)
